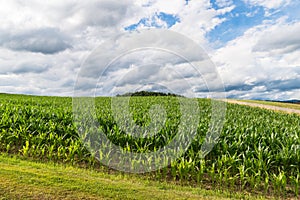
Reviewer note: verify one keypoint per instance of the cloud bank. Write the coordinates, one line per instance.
(254, 44)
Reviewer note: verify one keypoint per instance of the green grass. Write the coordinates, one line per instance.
(24, 179)
(279, 104)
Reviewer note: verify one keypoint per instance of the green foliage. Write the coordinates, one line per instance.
(149, 93)
(257, 150)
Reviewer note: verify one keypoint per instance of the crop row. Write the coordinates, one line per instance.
(257, 149)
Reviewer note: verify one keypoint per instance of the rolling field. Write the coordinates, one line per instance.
(258, 151)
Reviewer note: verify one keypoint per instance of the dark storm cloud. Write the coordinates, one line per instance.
(45, 40)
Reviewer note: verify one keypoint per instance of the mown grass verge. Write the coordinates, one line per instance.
(24, 179)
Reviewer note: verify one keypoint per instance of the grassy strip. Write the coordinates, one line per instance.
(23, 179)
(282, 105)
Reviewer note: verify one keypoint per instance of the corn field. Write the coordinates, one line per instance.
(258, 150)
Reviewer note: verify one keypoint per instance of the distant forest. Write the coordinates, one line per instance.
(148, 93)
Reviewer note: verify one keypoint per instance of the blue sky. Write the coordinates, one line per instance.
(241, 18)
(169, 19)
(254, 44)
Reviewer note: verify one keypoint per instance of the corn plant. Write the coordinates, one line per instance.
(257, 149)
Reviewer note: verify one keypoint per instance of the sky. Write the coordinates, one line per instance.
(253, 46)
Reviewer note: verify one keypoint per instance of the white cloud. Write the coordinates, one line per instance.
(46, 41)
(196, 19)
(260, 62)
(280, 39)
(269, 4)
(168, 60)
(42, 45)
(224, 3)
(172, 7)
